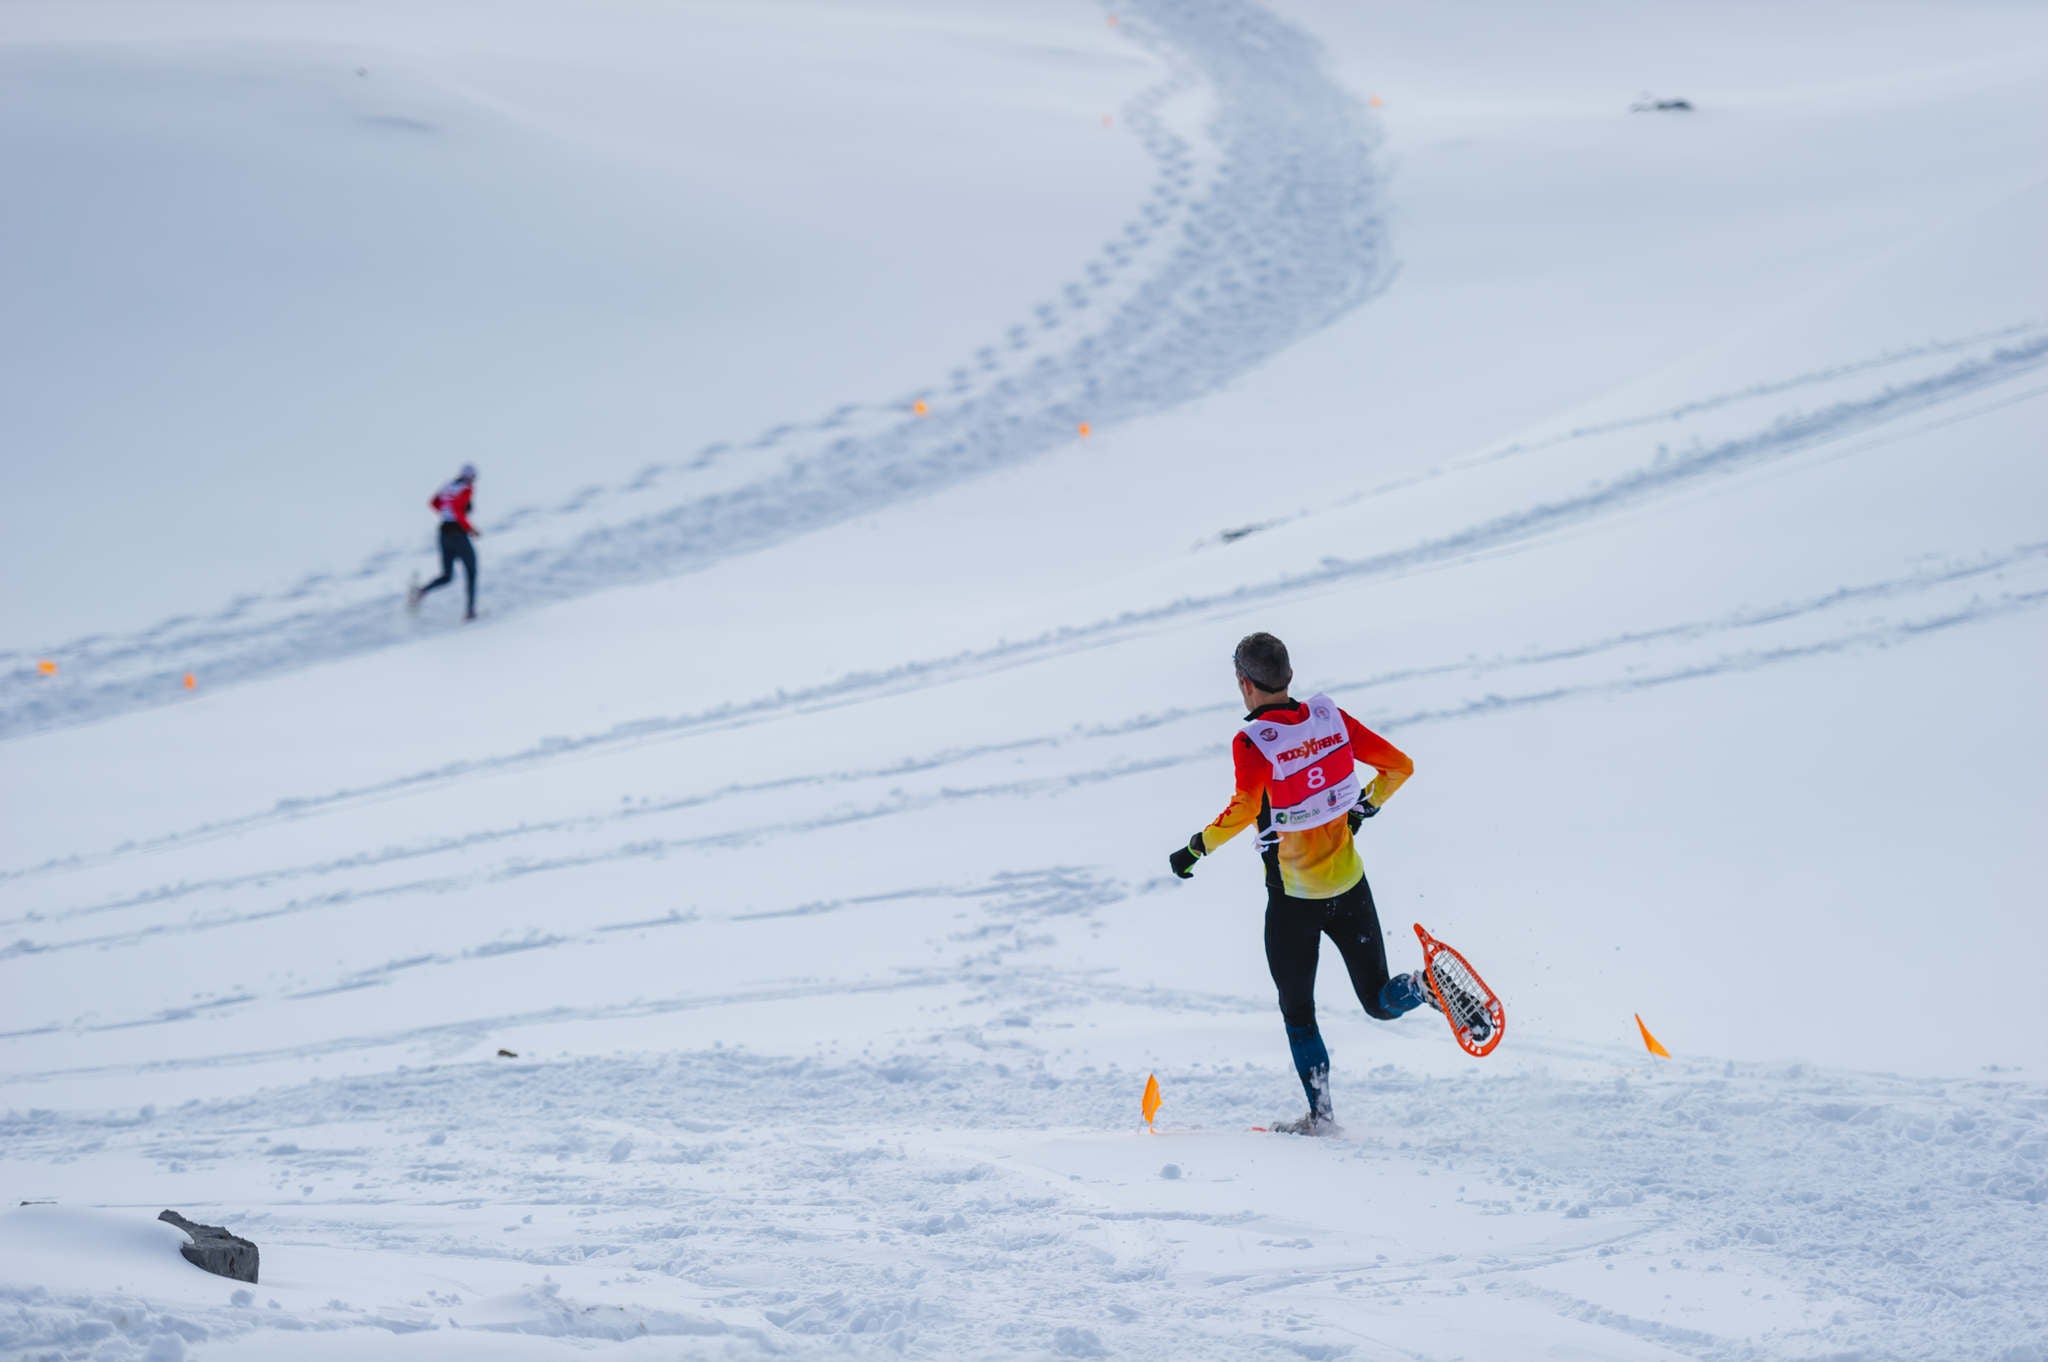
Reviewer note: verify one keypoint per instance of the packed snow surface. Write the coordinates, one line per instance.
(752, 937)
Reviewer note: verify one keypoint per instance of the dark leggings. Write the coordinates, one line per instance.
(1294, 932)
(455, 548)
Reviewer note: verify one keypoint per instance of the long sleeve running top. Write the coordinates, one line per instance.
(1310, 863)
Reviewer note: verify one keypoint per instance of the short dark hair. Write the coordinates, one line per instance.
(1262, 660)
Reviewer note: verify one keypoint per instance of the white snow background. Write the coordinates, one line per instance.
(1670, 486)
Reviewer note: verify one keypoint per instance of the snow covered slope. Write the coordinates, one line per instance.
(1668, 485)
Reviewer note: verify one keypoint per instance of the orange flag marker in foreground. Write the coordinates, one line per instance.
(1150, 1106)
(191, 681)
(919, 407)
(47, 667)
(1650, 1042)
(1084, 430)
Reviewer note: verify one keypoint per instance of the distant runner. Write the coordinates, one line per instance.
(1297, 779)
(453, 504)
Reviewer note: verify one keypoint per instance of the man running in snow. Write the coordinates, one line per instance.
(1297, 780)
(453, 503)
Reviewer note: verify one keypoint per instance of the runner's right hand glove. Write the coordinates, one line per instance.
(1183, 860)
(1361, 811)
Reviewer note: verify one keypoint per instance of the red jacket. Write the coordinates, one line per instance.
(452, 503)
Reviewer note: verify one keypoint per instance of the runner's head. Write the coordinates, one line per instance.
(468, 473)
(1262, 668)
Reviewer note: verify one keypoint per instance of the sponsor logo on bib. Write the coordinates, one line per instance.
(1310, 748)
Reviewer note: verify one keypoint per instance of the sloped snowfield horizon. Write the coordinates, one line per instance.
(751, 939)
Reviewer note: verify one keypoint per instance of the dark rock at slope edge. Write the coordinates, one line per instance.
(215, 1250)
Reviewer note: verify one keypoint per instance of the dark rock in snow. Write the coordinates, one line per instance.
(215, 1250)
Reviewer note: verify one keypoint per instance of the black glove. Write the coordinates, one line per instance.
(1183, 860)
(1361, 811)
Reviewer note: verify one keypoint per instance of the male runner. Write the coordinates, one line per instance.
(1297, 779)
(452, 504)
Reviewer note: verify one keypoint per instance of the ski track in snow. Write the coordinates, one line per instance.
(2019, 332)
(1286, 236)
(1833, 374)
(2007, 576)
(1836, 428)
(1938, 598)
(890, 1211)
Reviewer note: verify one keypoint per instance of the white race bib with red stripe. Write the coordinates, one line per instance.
(1314, 778)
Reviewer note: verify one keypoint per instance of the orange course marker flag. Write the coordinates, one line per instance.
(1084, 430)
(47, 667)
(1650, 1042)
(1150, 1105)
(920, 408)
(191, 681)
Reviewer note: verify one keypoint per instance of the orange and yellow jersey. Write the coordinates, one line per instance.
(1306, 863)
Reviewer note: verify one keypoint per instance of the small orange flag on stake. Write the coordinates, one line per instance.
(1084, 430)
(47, 667)
(920, 408)
(1650, 1042)
(1150, 1106)
(191, 681)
